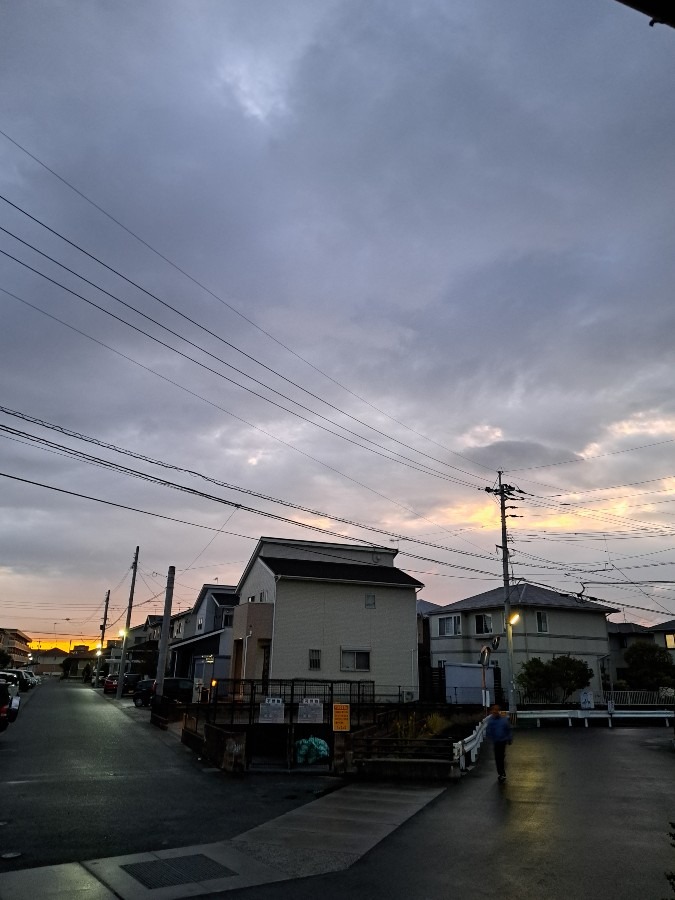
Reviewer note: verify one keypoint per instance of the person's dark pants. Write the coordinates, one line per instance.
(500, 758)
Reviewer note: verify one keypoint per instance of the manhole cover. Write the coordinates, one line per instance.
(178, 870)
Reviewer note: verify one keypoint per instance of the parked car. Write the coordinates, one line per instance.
(12, 681)
(25, 684)
(143, 692)
(131, 679)
(179, 690)
(9, 701)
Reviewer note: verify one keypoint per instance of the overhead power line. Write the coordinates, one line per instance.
(207, 331)
(123, 506)
(229, 306)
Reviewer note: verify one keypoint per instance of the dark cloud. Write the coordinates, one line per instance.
(455, 212)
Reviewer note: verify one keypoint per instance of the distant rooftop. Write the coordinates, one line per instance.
(525, 595)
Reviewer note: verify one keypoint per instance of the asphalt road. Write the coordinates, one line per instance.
(584, 815)
(83, 776)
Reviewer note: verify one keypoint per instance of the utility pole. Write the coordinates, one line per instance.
(164, 636)
(100, 652)
(505, 492)
(120, 677)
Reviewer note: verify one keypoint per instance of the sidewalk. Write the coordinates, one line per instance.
(327, 835)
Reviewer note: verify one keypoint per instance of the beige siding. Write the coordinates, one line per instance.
(259, 579)
(580, 633)
(332, 617)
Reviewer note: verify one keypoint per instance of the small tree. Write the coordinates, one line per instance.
(570, 675)
(649, 667)
(535, 678)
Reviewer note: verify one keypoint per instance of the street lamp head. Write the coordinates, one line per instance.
(513, 618)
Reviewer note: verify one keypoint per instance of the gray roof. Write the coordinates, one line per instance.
(625, 628)
(317, 570)
(425, 607)
(525, 595)
(664, 626)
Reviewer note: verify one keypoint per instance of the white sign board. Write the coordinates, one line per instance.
(310, 710)
(272, 711)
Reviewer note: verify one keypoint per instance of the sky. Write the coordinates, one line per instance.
(339, 263)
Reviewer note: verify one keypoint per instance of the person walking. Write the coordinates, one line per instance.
(499, 732)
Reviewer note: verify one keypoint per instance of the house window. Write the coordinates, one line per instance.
(449, 625)
(483, 623)
(315, 659)
(670, 641)
(263, 596)
(251, 599)
(542, 622)
(228, 617)
(200, 623)
(179, 628)
(370, 601)
(355, 660)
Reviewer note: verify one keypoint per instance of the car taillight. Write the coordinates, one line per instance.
(154, 687)
(3, 710)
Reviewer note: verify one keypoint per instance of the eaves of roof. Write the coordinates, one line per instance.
(664, 626)
(343, 573)
(176, 645)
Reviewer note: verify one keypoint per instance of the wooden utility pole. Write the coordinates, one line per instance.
(120, 677)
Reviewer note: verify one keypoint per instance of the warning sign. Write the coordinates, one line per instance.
(341, 717)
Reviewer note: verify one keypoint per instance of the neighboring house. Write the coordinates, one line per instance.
(48, 662)
(202, 645)
(622, 635)
(16, 644)
(331, 612)
(142, 648)
(664, 636)
(80, 662)
(179, 625)
(550, 624)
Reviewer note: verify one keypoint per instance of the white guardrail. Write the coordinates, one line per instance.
(470, 746)
(465, 752)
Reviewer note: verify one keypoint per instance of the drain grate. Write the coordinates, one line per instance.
(178, 870)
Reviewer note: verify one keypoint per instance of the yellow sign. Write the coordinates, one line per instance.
(341, 717)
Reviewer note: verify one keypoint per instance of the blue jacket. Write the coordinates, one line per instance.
(499, 729)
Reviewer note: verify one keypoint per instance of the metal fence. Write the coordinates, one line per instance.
(600, 698)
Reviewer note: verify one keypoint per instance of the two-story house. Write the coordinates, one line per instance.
(622, 636)
(664, 636)
(326, 611)
(201, 647)
(549, 624)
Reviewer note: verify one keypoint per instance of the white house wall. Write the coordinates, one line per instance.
(331, 617)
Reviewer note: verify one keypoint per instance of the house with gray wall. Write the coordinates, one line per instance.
(550, 624)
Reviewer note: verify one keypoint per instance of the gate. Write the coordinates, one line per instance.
(287, 723)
